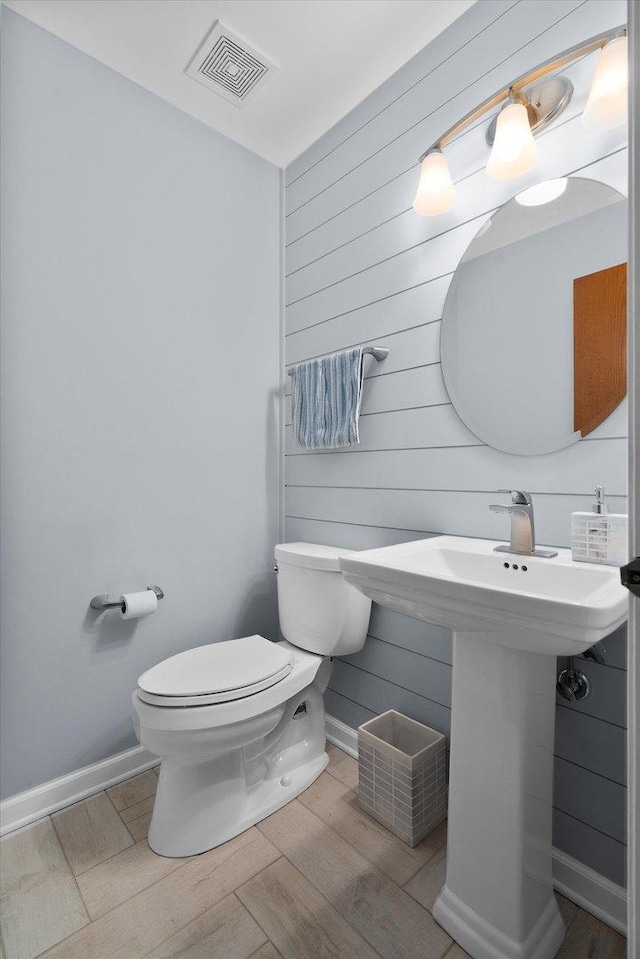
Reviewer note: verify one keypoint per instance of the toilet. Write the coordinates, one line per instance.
(239, 725)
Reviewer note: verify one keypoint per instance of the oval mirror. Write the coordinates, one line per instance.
(533, 336)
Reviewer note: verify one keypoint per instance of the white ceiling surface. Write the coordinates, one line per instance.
(331, 54)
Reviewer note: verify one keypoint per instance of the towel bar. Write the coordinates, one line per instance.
(377, 352)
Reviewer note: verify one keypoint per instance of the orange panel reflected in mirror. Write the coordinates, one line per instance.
(599, 346)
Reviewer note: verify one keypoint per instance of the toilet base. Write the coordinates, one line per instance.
(217, 781)
(262, 799)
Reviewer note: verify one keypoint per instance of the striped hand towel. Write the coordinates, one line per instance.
(326, 397)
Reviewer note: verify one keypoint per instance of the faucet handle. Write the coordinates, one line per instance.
(518, 497)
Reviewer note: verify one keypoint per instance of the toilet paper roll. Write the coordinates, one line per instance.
(139, 604)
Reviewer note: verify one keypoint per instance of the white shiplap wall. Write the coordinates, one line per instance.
(361, 268)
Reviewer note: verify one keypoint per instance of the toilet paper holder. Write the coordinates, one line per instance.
(102, 602)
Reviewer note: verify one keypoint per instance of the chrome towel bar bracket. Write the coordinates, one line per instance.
(102, 602)
(377, 352)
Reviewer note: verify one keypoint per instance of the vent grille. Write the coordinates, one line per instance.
(229, 66)
(237, 71)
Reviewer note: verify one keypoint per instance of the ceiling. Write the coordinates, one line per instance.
(331, 54)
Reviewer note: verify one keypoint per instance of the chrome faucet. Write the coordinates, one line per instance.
(523, 538)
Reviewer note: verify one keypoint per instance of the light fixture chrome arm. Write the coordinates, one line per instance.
(516, 87)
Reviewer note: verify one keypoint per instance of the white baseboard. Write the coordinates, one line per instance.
(602, 898)
(27, 807)
(342, 736)
(587, 888)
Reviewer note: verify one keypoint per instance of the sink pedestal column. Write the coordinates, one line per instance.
(498, 901)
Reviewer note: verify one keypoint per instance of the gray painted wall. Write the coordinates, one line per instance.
(362, 267)
(140, 395)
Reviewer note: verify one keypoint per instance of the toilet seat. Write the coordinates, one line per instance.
(306, 669)
(216, 673)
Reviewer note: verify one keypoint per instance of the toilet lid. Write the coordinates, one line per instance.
(219, 672)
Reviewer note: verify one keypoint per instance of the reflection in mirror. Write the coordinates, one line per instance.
(533, 276)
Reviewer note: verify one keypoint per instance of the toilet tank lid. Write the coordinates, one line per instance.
(311, 555)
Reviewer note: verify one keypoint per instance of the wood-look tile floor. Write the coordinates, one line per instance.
(318, 879)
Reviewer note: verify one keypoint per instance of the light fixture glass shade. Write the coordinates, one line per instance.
(607, 104)
(543, 192)
(514, 150)
(435, 193)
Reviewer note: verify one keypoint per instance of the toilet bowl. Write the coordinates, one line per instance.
(239, 725)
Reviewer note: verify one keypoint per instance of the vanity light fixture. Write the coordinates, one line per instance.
(514, 150)
(607, 104)
(542, 192)
(528, 105)
(435, 190)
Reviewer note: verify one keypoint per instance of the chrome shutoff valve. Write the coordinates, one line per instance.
(572, 683)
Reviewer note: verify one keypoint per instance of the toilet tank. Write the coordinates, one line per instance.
(319, 611)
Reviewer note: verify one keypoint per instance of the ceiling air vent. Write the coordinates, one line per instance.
(229, 66)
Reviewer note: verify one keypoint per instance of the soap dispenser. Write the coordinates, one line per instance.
(599, 536)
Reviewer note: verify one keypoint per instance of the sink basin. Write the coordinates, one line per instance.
(511, 616)
(547, 606)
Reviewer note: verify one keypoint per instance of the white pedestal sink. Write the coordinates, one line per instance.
(511, 616)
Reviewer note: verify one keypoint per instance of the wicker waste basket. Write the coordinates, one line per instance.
(402, 773)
